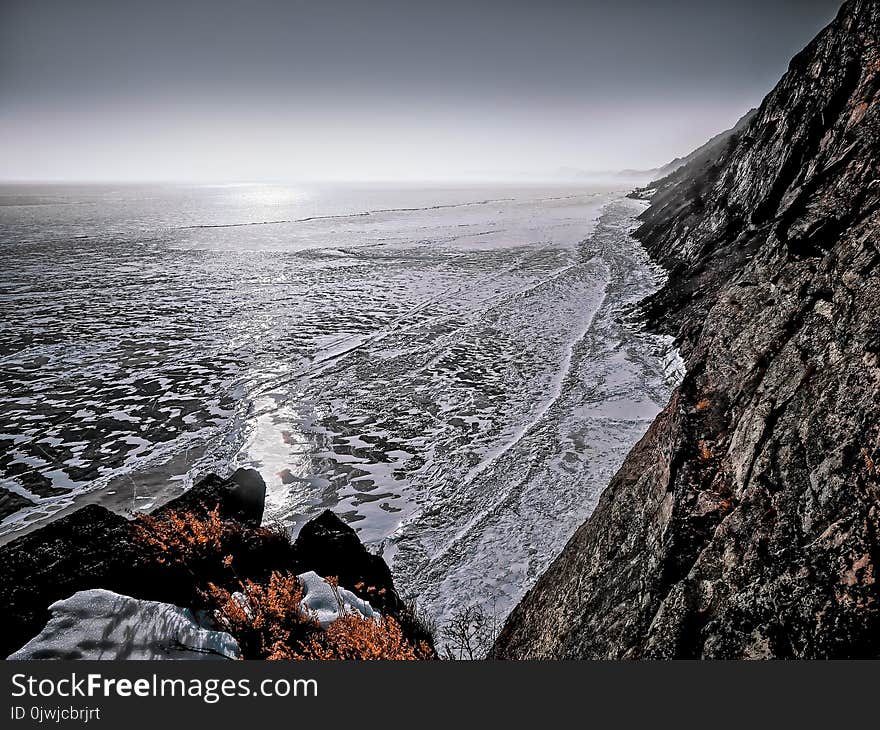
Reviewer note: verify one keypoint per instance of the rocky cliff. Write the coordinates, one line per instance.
(745, 523)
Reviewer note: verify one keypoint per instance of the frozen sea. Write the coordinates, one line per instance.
(456, 371)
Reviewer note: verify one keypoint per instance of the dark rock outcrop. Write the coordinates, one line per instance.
(745, 523)
(10, 503)
(96, 548)
(90, 548)
(241, 497)
(330, 547)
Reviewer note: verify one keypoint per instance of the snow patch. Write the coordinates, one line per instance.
(325, 603)
(100, 624)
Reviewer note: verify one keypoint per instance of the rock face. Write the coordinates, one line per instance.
(705, 154)
(745, 523)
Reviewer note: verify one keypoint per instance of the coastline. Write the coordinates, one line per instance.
(744, 524)
(548, 279)
(618, 380)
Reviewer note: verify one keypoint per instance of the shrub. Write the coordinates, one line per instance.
(354, 637)
(207, 549)
(268, 623)
(202, 556)
(470, 633)
(266, 620)
(184, 539)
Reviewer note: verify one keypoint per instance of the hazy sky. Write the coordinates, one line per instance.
(360, 89)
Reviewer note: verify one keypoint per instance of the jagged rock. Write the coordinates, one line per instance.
(331, 548)
(96, 548)
(99, 624)
(90, 548)
(241, 497)
(705, 155)
(10, 503)
(745, 523)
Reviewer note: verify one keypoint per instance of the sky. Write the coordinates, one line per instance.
(277, 90)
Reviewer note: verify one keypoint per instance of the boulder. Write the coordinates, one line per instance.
(329, 547)
(326, 603)
(241, 497)
(90, 548)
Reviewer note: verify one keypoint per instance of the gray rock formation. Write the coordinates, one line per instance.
(745, 523)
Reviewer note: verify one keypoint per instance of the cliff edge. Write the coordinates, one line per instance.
(745, 523)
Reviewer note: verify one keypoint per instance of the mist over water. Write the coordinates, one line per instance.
(348, 90)
(455, 371)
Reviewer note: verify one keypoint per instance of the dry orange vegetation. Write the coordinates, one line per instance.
(183, 538)
(205, 546)
(356, 637)
(870, 465)
(268, 623)
(264, 617)
(705, 451)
